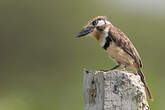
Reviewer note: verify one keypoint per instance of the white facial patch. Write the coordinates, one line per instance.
(102, 22)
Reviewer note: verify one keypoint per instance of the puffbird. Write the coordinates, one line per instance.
(116, 44)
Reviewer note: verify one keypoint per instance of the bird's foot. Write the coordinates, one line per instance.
(115, 67)
(124, 68)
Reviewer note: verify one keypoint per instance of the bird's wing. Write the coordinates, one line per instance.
(122, 41)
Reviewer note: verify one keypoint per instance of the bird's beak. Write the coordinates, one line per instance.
(85, 31)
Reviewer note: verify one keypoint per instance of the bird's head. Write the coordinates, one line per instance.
(97, 24)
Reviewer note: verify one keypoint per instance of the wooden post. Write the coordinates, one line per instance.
(114, 90)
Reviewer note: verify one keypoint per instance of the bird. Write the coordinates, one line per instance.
(116, 44)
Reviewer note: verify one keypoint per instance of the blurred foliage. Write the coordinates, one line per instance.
(41, 61)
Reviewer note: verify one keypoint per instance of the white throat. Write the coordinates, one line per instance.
(104, 35)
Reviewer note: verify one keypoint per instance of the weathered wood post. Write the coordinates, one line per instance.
(114, 90)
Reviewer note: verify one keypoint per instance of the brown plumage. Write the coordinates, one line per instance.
(122, 41)
(116, 44)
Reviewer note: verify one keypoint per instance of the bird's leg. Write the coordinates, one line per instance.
(115, 67)
(118, 65)
(124, 67)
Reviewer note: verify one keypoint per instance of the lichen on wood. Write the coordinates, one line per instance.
(114, 90)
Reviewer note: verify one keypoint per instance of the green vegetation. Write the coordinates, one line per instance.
(41, 61)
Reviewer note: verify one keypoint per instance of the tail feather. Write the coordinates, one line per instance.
(145, 84)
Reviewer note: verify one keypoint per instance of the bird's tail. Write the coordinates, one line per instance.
(145, 84)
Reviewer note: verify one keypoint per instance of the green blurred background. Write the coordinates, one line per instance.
(41, 61)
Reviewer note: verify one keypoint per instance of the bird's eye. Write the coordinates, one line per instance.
(94, 23)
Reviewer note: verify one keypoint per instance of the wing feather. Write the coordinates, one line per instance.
(122, 41)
